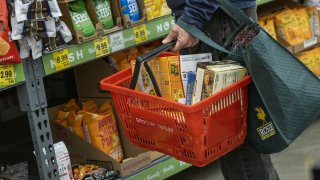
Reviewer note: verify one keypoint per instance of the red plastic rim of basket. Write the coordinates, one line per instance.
(113, 84)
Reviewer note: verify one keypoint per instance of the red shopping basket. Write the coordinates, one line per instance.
(197, 134)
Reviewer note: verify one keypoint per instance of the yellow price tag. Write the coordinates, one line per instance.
(140, 33)
(7, 75)
(102, 46)
(61, 59)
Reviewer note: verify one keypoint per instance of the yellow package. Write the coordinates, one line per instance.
(165, 84)
(105, 107)
(177, 91)
(314, 20)
(75, 124)
(270, 28)
(287, 27)
(156, 8)
(303, 23)
(103, 133)
(309, 58)
(316, 68)
(90, 106)
(61, 118)
(71, 106)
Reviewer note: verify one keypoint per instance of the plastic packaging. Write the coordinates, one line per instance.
(104, 13)
(130, 7)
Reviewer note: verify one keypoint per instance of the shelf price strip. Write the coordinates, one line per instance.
(101, 46)
(61, 59)
(140, 33)
(7, 75)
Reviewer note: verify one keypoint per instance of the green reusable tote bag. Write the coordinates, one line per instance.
(285, 96)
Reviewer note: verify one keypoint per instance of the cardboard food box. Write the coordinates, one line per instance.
(279, 5)
(126, 19)
(83, 152)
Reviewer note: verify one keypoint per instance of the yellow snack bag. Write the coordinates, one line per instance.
(156, 8)
(61, 118)
(313, 15)
(311, 60)
(71, 106)
(103, 133)
(303, 23)
(75, 124)
(90, 106)
(270, 28)
(287, 27)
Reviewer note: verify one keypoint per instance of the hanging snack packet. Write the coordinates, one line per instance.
(288, 28)
(103, 133)
(36, 9)
(24, 48)
(303, 23)
(9, 53)
(104, 13)
(80, 18)
(63, 29)
(35, 43)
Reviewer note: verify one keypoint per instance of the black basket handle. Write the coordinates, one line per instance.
(143, 60)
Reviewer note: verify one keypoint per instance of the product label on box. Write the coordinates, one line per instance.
(140, 33)
(310, 42)
(7, 75)
(61, 59)
(102, 47)
(117, 41)
(188, 63)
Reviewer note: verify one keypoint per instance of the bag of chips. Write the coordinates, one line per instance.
(9, 53)
(104, 13)
(303, 23)
(288, 27)
(103, 133)
(80, 18)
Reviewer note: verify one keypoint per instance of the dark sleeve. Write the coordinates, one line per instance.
(197, 12)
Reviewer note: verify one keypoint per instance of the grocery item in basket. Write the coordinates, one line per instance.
(80, 18)
(303, 23)
(130, 8)
(288, 28)
(103, 133)
(63, 161)
(313, 15)
(75, 124)
(104, 13)
(214, 77)
(89, 172)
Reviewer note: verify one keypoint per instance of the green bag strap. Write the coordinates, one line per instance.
(192, 29)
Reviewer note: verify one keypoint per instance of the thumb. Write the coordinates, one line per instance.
(171, 36)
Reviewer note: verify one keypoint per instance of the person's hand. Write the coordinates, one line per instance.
(184, 39)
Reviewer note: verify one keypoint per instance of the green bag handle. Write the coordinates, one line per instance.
(229, 8)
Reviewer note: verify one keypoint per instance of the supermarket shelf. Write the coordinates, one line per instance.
(260, 2)
(8, 81)
(115, 42)
(160, 169)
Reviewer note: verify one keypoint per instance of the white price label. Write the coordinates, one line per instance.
(117, 42)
